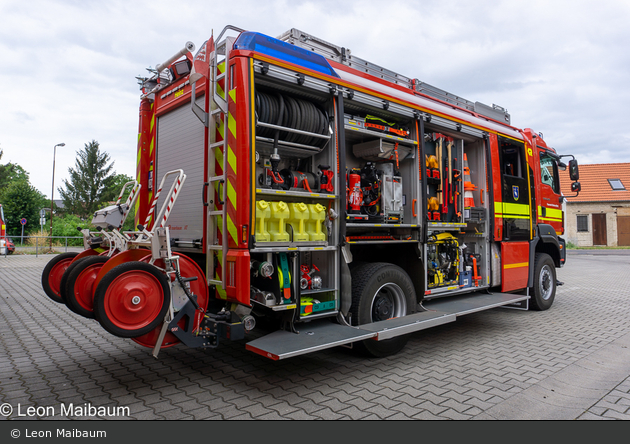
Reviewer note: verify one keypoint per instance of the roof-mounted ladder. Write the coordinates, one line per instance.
(344, 56)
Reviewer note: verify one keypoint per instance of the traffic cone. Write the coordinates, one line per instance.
(469, 199)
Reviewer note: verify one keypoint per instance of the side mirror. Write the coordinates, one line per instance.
(576, 187)
(574, 173)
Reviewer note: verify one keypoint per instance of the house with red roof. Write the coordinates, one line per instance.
(600, 214)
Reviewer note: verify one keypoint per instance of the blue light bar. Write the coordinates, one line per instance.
(254, 41)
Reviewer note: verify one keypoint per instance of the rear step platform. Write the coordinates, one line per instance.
(322, 334)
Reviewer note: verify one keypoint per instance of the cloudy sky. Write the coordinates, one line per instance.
(561, 67)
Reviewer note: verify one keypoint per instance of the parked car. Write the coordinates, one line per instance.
(9, 243)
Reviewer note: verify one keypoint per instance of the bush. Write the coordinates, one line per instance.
(67, 226)
(571, 246)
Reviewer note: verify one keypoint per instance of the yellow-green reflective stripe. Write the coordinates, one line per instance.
(219, 288)
(232, 125)
(231, 192)
(221, 68)
(512, 208)
(232, 230)
(218, 154)
(551, 213)
(498, 208)
(232, 158)
(221, 129)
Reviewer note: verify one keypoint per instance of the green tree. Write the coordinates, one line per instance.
(22, 200)
(89, 179)
(114, 186)
(10, 172)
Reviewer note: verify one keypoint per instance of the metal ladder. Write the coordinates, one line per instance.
(219, 114)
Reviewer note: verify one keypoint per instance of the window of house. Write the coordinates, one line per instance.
(616, 184)
(582, 222)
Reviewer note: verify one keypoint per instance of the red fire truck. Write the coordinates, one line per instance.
(327, 201)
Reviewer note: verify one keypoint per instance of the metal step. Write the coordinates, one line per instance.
(323, 334)
(401, 326)
(314, 336)
(472, 303)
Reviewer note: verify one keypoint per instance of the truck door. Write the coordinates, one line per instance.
(549, 209)
(515, 210)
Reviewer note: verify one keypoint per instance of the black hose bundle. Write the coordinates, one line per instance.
(283, 110)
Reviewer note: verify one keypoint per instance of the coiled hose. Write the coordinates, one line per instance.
(284, 110)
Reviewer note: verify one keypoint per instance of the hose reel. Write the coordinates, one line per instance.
(290, 112)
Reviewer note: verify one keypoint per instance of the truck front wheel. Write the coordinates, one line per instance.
(381, 291)
(544, 282)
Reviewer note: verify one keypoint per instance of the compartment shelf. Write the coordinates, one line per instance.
(446, 225)
(383, 225)
(380, 135)
(280, 307)
(259, 248)
(272, 192)
(384, 241)
(311, 292)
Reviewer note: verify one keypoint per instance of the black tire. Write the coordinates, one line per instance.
(64, 279)
(53, 273)
(106, 298)
(381, 291)
(544, 283)
(73, 272)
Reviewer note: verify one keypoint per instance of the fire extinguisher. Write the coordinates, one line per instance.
(355, 198)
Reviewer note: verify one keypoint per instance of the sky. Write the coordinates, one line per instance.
(68, 70)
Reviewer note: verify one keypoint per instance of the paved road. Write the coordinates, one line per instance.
(571, 362)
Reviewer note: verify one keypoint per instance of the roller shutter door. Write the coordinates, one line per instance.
(180, 145)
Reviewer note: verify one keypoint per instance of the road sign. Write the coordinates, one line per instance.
(23, 221)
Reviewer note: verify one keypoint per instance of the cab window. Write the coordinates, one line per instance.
(549, 172)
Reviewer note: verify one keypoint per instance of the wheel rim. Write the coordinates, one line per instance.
(188, 268)
(545, 284)
(133, 300)
(84, 286)
(389, 302)
(54, 278)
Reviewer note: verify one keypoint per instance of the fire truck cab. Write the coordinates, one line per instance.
(336, 202)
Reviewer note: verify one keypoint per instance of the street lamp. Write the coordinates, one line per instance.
(53, 191)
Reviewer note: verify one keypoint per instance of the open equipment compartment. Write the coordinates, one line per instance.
(382, 175)
(457, 251)
(296, 197)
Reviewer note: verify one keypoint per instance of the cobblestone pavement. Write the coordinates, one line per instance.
(570, 362)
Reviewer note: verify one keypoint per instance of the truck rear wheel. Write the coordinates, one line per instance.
(544, 282)
(381, 291)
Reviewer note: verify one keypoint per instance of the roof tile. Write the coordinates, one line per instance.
(594, 181)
